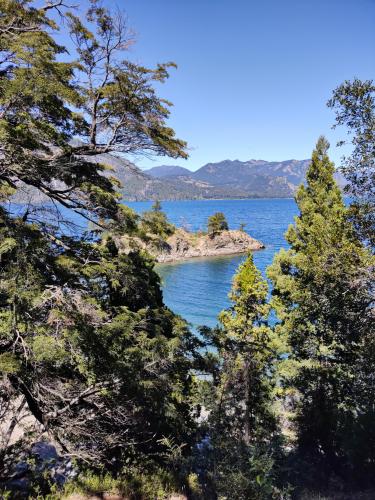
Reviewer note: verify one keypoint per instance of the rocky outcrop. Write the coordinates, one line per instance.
(185, 245)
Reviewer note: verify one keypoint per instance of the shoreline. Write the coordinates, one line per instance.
(202, 258)
(209, 199)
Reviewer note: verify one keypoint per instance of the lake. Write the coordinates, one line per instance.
(198, 289)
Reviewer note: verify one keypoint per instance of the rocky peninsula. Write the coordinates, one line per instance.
(184, 245)
(167, 243)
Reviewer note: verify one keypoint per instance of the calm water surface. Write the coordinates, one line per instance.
(197, 289)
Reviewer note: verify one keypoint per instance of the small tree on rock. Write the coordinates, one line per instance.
(156, 207)
(155, 222)
(217, 223)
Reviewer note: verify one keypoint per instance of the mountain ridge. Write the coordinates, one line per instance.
(237, 179)
(228, 179)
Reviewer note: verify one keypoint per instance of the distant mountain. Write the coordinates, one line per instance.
(167, 171)
(256, 178)
(225, 179)
(237, 172)
(137, 185)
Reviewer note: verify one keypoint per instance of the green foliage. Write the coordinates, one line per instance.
(242, 425)
(322, 296)
(85, 339)
(8, 363)
(156, 207)
(47, 349)
(247, 472)
(217, 223)
(96, 335)
(354, 104)
(134, 484)
(120, 105)
(108, 102)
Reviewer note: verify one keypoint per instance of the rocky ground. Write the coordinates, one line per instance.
(185, 245)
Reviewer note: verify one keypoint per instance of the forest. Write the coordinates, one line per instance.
(276, 402)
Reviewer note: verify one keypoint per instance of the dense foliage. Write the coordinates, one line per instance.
(322, 294)
(155, 222)
(243, 430)
(87, 347)
(354, 103)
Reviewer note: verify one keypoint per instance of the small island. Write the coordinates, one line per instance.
(167, 243)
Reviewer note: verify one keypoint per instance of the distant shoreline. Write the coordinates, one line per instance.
(210, 199)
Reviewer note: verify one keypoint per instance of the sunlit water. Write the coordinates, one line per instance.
(198, 289)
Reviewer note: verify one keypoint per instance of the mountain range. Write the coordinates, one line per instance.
(225, 179)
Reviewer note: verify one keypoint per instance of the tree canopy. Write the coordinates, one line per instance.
(86, 343)
(104, 101)
(354, 104)
(322, 295)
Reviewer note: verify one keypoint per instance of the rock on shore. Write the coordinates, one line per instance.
(185, 245)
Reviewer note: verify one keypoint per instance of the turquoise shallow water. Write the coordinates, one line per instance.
(198, 289)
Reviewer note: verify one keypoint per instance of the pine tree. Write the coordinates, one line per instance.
(155, 226)
(217, 223)
(243, 421)
(322, 296)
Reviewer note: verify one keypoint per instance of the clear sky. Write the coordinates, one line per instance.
(253, 77)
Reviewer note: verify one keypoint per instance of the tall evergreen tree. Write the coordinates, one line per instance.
(244, 428)
(322, 295)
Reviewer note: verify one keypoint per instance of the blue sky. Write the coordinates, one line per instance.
(253, 77)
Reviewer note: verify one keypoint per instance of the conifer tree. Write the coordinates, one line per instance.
(217, 223)
(243, 420)
(154, 223)
(322, 296)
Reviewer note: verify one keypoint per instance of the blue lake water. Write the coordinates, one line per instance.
(197, 289)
